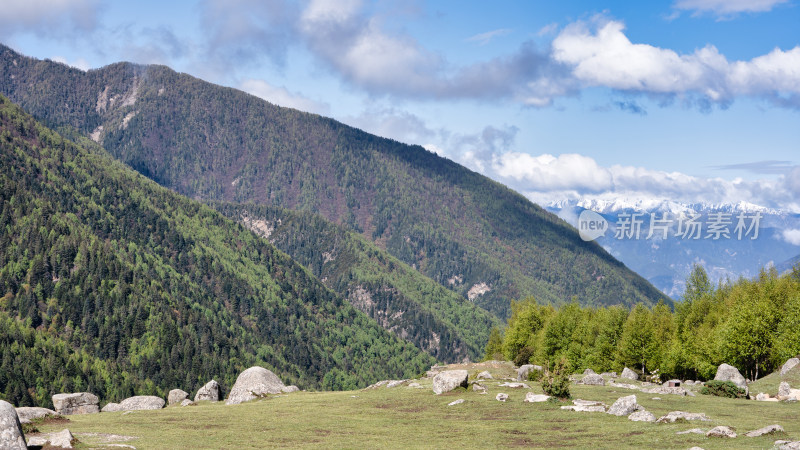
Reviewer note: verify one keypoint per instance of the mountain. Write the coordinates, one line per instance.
(398, 297)
(463, 230)
(788, 265)
(666, 263)
(116, 285)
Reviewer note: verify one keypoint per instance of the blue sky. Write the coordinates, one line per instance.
(685, 100)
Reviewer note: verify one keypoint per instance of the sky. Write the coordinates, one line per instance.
(686, 100)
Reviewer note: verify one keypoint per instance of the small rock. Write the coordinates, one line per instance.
(721, 431)
(784, 389)
(389, 385)
(415, 385)
(789, 365)
(656, 398)
(676, 415)
(479, 388)
(629, 374)
(766, 430)
(666, 390)
(11, 436)
(726, 372)
(589, 372)
(448, 380)
(176, 396)
(209, 392)
(530, 397)
(624, 406)
(456, 402)
(642, 416)
(187, 402)
(485, 375)
(514, 385)
(762, 397)
(623, 385)
(63, 439)
(692, 431)
(586, 406)
(501, 397)
(592, 380)
(696, 448)
(77, 403)
(609, 374)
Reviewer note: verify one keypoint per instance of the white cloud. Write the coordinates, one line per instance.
(792, 236)
(48, 17)
(79, 63)
(282, 97)
(551, 173)
(393, 124)
(727, 7)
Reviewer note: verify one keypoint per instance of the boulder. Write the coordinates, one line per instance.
(209, 392)
(642, 416)
(77, 403)
(721, 431)
(769, 429)
(629, 374)
(524, 371)
(254, 383)
(789, 365)
(485, 375)
(727, 372)
(479, 388)
(187, 402)
(176, 396)
(783, 444)
(141, 403)
(28, 413)
(292, 388)
(586, 406)
(530, 397)
(784, 389)
(389, 385)
(672, 416)
(456, 402)
(501, 397)
(111, 407)
(624, 406)
(592, 379)
(63, 439)
(667, 390)
(448, 380)
(11, 436)
(514, 385)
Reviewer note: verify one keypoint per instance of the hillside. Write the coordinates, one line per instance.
(399, 298)
(118, 286)
(468, 233)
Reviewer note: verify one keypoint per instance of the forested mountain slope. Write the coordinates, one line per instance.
(465, 231)
(398, 297)
(113, 284)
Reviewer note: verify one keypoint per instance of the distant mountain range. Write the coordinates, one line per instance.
(667, 262)
(468, 233)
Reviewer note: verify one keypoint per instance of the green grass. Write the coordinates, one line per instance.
(404, 417)
(769, 384)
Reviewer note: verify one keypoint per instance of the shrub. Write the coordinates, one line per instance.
(723, 389)
(535, 375)
(524, 355)
(555, 381)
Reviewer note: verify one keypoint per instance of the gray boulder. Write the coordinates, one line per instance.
(589, 372)
(141, 403)
(642, 416)
(592, 379)
(63, 439)
(28, 413)
(479, 388)
(667, 390)
(586, 406)
(77, 403)
(721, 431)
(501, 397)
(514, 385)
(624, 406)
(766, 430)
(209, 392)
(255, 382)
(187, 402)
(524, 371)
(11, 436)
(784, 389)
(789, 365)
(672, 416)
(111, 407)
(448, 380)
(783, 444)
(530, 397)
(176, 396)
(726, 372)
(629, 374)
(485, 375)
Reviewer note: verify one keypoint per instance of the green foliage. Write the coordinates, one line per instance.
(555, 380)
(494, 348)
(455, 226)
(723, 389)
(113, 284)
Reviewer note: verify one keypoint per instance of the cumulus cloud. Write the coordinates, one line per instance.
(282, 97)
(727, 7)
(58, 18)
(554, 173)
(395, 124)
(792, 236)
(79, 63)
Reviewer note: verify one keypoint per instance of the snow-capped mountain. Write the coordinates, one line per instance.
(731, 240)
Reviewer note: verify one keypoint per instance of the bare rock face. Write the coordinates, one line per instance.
(789, 365)
(11, 436)
(624, 406)
(176, 396)
(642, 416)
(727, 372)
(629, 374)
(721, 431)
(209, 392)
(254, 383)
(77, 403)
(28, 413)
(766, 430)
(448, 380)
